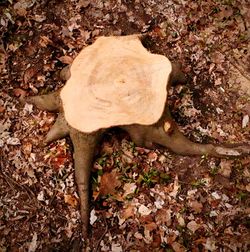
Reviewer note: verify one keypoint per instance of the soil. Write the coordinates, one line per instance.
(141, 200)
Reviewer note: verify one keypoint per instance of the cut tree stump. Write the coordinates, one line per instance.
(117, 82)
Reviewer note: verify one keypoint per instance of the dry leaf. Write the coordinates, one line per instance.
(177, 247)
(44, 41)
(33, 244)
(143, 210)
(152, 156)
(245, 121)
(70, 200)
(151, 226)
(163, 216)
(3, 59)
(176, 187)
(93, 217)
(167, 126)
(128, 212)
(196, 206)
(109, 182)
(181, 220)
(129, 188)
(225, 168)
(193, 226)
(29, 74)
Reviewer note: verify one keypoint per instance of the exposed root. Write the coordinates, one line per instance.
(84, 148)
(59, 130)
(167, 134)
(65, 73)
(49, 102)
(176, 76)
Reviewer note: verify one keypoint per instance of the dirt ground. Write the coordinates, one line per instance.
(142, 200)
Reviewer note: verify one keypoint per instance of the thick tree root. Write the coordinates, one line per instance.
(84, 149)
(49, 102)
(165, 133)
(65, 73)
(59, 130)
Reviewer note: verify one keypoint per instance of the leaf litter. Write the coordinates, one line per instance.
(144, 199)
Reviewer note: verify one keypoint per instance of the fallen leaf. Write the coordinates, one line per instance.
(193, 226)
(152, 156)
(33, 244)
(196, 206)
(181, 220)
(225, 168)
(70, 200)
(245, 121)
(151, 226)
(116, 247)
(44, 41)
(138, 235)
(216, 195)
(129, 188)
(163, 217)
(177, 247)
(210, 244)
(128, 212)
(167, 126)
(29, 74)
(3, 58)
(83, 3)
(40, 196)
(175, 188)
(92, 217)
(109, 182)
(143, 210)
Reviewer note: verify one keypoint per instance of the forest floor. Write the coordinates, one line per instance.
(142, 200)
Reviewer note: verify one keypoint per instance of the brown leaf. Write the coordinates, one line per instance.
(71, 200)
(109, 183)
(128, 212)
(2, 109)
(44, 41)
(151, 226)
(18, 92)
(196, 206)
(152, 156)
(66, 59)
(3, 58)
(29, 74)
(225, 168)
(193, 226)
(177, 247)
(163, 216)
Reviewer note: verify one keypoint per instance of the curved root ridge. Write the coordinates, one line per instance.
(59, 130)
(49, 102)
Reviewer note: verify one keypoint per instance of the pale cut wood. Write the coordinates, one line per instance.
(115, 81)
